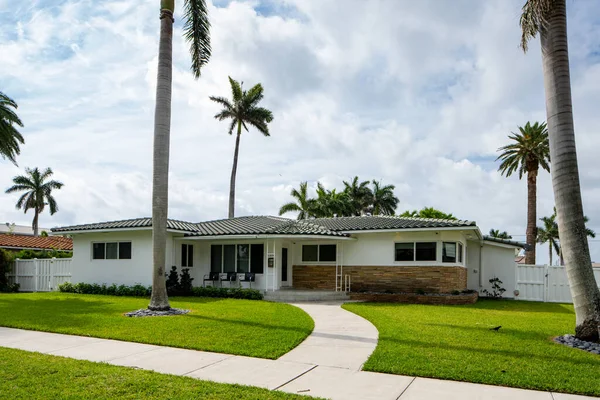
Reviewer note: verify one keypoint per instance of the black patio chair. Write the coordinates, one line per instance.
(231, 277)
(248, 277)
(211, 277)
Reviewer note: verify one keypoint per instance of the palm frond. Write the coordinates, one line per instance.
(236, 90)
(533, 17)
(196, 31)
(222, 101)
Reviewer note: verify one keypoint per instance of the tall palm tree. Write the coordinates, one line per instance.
(38, 193)
(360, 195)
(9, 135)
(495, 233)
(383, 201)
(242, 110)
(549, 234)
(526, 155)
(303, 205)
(549, 19)
(196, 31)
(331, 203)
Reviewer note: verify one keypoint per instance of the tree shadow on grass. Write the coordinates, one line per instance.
(254, 324)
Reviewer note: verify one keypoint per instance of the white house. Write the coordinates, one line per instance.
(379, 253)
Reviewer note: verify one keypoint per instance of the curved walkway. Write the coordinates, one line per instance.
(340, 339)
(327, 364)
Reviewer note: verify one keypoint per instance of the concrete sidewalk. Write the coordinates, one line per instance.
(326, 364)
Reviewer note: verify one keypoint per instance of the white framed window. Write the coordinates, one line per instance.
(319, 252)
(460, 252)
(237, 258)
(452, 252)
(415, 251)
(111, 251)
(187, 255)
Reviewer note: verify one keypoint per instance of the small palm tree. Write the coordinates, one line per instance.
(242, 110)
(196, 31)
(383, 200)
(495, 233)
(9, 135)
(360, 195)
(303, 205)
(548, 233)
(38, 193)
(527, 154)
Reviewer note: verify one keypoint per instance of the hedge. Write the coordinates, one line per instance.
(145, 291)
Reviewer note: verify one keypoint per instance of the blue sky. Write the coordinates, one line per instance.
(418, 94)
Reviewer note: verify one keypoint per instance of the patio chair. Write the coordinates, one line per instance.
(211, 277)
(231, 277)
(247, 277)
(227, 277)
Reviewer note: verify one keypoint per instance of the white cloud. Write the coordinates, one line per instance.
(418, 94)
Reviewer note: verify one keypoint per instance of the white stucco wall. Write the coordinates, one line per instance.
(496, 261)
(129, 272)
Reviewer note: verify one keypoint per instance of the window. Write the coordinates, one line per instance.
(449, 252)
(111, 251)
(460, 252)
(187, 255)
(216, 258)
(419, 251)
(237, 258)
(319, 252)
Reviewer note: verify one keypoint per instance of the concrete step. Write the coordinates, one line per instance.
(288, 295)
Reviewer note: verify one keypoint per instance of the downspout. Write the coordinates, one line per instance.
(480, 265)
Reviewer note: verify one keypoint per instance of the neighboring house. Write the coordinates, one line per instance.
(26, 242)
(378, 253)
(7, 227)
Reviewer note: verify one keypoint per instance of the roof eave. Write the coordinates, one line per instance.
(383, 230)
(264, 236)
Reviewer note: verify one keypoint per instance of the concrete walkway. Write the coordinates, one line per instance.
(326, 364)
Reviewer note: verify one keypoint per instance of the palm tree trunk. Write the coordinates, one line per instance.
(234, 172)
(35, 224)
(160, 178)
(531, 215)
(565, 174)
(550, 252)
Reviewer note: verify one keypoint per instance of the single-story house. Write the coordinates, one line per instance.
(14, 242)
(374, 253)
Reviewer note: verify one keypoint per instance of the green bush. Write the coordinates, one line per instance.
(172, 281)
(143, 291)
(31, 254)
(185, 282)
(6, 258)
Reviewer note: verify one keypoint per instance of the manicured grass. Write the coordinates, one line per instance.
(455, 342)
(25, 375)
(243, 327)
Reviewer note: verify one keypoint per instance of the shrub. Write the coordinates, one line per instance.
(420, 291)
(456, 292)
(6, 258)
(172, 281)
(31, 254)
(185, 282)
(497, 289)
(143, 291)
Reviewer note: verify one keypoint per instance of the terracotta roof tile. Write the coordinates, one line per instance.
(36, 242)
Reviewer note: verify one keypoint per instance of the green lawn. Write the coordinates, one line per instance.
(455, 342)
(243, 327)
(27, 375)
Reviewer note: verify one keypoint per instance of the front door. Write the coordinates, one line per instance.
(284, 264)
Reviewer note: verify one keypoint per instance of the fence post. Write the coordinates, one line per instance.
(17, 271)
(546, 272)
(51, 286)
(35, 277)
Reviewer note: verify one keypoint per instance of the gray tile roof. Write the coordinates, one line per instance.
(127, 224)
(506, 241)
(348, 224)
(267, 225)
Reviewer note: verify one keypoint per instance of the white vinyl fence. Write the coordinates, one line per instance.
(40, 275)
(547, 283)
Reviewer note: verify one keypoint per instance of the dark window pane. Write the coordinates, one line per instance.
(184, 255)
(405, 252)
(257, 258)
(327, 252)
(216, 257)
(125, 250)
(426, 251)
(310, 252)
(460, 252)
(112, 251)
(229, 258)
(243, 258)
(98, 251)
(449, 252)
(190, 255)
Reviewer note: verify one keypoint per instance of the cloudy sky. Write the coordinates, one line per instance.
(417, 94)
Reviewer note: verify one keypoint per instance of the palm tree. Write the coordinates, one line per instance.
(196, 31)
(549, 19)
(38, 193)
(303, 205)
(495, 233)
(9, 135)
(551, 225)
(242, 110)
(428, 212)
(528, 152)
(383, 200)
(331, 203)
(360, 195)
(549, 234)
